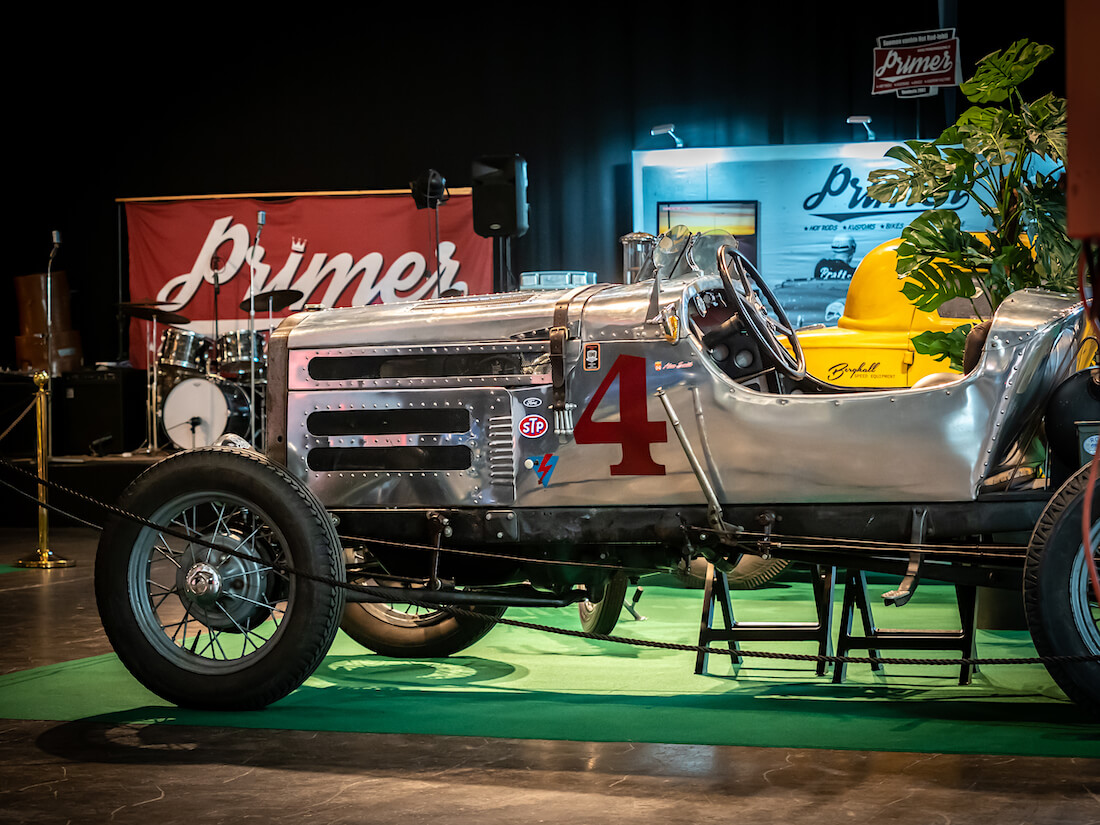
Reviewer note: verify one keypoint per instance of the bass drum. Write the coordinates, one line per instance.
(198, 411)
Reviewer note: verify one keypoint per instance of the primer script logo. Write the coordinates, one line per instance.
(843, 196)
(406, 278)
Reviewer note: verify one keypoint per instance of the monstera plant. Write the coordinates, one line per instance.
(992, 154)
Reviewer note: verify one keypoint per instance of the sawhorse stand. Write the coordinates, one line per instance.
(873, 640)
(733, 632)
(876, 639)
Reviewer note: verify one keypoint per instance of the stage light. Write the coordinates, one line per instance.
(429, 190)
(866, 121)
(666, 129)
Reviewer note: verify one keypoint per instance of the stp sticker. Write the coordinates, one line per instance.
(533, 426)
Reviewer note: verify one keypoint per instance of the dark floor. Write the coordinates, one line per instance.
(88, 771)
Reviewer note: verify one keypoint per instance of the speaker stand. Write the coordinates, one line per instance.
(504, 279)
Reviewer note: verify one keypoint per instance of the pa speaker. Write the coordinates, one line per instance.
(500, 196)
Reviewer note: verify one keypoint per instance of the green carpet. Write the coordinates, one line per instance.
(525, 684)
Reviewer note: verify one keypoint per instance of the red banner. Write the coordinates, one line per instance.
(337, 250)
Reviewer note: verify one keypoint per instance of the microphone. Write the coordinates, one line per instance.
(215, 270)
(56, 237)
(261, 219)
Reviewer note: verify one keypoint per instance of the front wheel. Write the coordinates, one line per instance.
(601, 616)
(1062, 611)
(214, 620)
(749, 573)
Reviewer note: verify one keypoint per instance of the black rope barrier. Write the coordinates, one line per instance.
(286, 569)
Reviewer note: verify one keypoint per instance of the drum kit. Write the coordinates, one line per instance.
(199, 388)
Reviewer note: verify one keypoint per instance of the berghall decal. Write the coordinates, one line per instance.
(543, 467)
(845, 370)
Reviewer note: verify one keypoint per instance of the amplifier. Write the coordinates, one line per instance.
(99, 412)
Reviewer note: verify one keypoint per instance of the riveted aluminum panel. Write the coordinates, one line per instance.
(489, 480)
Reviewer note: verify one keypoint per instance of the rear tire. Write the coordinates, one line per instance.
(404, 631)
(749, 573)
(1062, 612)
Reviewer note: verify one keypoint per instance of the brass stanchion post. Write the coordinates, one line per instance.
(44, 557)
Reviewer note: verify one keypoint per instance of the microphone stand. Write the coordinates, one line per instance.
(216, 269)
(261, 219)
(438, 274)
(49, 341)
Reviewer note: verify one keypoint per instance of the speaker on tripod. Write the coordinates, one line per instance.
(500, 209)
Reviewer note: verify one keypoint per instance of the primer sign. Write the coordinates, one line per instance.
(340, 249)
(815, 219)
(917, 63)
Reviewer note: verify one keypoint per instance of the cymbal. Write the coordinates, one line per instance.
(275, 301)
(151, 311)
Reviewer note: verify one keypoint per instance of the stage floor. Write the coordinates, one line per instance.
(527, 727)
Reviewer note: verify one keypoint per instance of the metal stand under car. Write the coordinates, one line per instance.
(873, 640)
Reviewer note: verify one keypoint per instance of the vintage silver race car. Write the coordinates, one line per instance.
(449, 458)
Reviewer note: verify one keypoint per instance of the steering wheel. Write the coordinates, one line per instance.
(754, 314)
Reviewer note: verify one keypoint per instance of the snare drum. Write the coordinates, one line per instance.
(197, 411)
(237, 350)
(181, 349)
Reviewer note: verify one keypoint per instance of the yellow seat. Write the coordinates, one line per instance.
(871, 345)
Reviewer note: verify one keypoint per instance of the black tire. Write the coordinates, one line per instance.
(405, 631)
(749, 573)
(600, 617)
(255, 634)
(1062, 612)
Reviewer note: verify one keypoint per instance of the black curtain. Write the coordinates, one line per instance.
(222, 102)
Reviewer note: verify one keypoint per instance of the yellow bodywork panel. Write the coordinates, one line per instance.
(871, 345)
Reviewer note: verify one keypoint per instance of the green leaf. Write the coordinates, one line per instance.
(999, 73)
(937, 282)
(1055, 254)
(1044, 123)
(996, 134)
(986, 155)
(944, 346)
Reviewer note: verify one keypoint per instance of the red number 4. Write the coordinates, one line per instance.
(634, 432)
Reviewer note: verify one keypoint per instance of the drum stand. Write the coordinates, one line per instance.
(151, 311)
(261, 219)
(151, 379)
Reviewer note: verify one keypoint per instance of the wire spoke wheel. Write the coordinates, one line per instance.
(1083, 604)
(1062, 611)
(201, 607)
(210, 606)
(409, 631)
